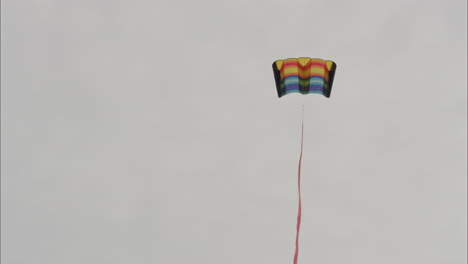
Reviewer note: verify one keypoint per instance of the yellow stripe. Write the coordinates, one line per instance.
(279, 64)
(303, 61)
(329, 64)
(315, 70)
(290, 70)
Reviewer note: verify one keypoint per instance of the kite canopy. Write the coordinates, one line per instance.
(304, 75)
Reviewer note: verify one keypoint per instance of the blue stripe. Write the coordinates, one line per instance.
(295, 77)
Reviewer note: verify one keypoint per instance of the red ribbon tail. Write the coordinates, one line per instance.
(299, 209)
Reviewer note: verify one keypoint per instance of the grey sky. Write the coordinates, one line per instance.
(151, 132)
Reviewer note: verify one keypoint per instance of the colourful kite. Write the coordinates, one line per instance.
(304, 75)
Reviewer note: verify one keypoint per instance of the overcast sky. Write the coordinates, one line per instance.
(150, 132)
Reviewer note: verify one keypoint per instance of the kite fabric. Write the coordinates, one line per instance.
(304, 75)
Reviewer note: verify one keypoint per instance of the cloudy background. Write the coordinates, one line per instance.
(150, 132)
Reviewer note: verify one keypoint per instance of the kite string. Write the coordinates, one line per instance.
(299, 209)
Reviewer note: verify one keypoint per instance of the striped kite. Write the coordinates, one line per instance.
(305, 76)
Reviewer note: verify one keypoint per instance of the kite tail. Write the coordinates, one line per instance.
(299, 209)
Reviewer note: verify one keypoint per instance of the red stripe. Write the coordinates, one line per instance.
(308, 75)
(299, 209)
(296, 64)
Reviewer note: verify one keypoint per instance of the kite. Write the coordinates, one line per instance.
(305, 76)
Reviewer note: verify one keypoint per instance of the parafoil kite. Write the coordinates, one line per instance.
(305, 76)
